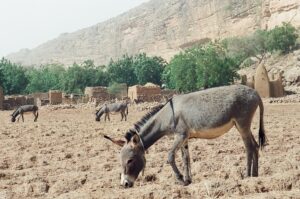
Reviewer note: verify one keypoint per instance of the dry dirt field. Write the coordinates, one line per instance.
(64, 155)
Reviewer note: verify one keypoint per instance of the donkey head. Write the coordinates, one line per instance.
(132, 158)
(13, 119)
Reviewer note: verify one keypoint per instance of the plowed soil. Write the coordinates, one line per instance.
(63, 155)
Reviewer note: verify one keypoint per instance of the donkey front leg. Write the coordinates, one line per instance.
(179, 140)
(105, 116)
(19, 118)
(187, 163)
(22, 117)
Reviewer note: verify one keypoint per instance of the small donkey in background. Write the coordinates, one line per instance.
(106, 109)
(25, 109)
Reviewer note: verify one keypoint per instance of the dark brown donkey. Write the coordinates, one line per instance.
(25, 109)
(204, 114)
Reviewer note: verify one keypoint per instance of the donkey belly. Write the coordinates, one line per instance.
(212, 132)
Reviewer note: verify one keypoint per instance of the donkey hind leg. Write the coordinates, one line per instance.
(108, 117)
(187, 163)
(36, 115)
(179, 140)
(22, 117)
(251, 150)
(105, 116)
(121, 115)
(125, 115)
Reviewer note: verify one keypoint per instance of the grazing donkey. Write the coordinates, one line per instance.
(25, 109)
(204, 114)
(121, 107)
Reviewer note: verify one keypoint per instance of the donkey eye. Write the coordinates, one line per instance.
(130, 161)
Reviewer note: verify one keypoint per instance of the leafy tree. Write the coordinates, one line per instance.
(12, 76)
(241, 48)
(148, 69)
(45, 78)
(115, 88)
(101, 77)
(122, 71)
(282, 38)
(180, 74)
(200, 67)
(214, 66)
(88, 73)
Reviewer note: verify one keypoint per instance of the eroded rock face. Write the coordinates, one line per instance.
(162, 28)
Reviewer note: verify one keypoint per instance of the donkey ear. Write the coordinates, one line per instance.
(117, 142)
(136, 140)
(129, 135)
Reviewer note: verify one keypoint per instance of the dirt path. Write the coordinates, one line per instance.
(64, 156)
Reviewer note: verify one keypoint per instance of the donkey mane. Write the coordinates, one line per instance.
(138, 125)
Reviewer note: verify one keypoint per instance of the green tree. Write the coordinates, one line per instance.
(241, 48)
(200, 67)
(148, 69)
(101, 77)
(214, 66)
(45, 78)
(74, 80)
(180, 73)
(122, 71)
(282, 38)
(12, 76)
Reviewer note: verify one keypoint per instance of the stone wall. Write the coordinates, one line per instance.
(144, 93)
(39, 96)
(55, 97)
(98, 92)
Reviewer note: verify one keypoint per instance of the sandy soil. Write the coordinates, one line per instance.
(63, 155)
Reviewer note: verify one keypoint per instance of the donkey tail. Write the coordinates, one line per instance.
(261, 133)
(126, 109)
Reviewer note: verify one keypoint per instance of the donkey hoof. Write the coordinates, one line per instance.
(187, 182)
(180, 182)
(179, 178)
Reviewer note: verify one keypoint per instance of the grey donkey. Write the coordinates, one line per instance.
(106, 109)
(205, 114)
(25, 109)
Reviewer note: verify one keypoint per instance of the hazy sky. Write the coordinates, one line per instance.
(28, 23)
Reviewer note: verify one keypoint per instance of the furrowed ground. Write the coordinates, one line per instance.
(64, 155)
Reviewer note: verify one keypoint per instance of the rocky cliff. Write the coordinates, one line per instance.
(162, 28)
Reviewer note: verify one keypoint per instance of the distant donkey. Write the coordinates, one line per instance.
(25, 109)
(204, 114)
(121, 107)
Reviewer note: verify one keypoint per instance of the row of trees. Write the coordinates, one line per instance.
(131, 70)
(209, 65)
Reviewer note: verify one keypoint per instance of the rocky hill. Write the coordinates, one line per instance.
(162, 28)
